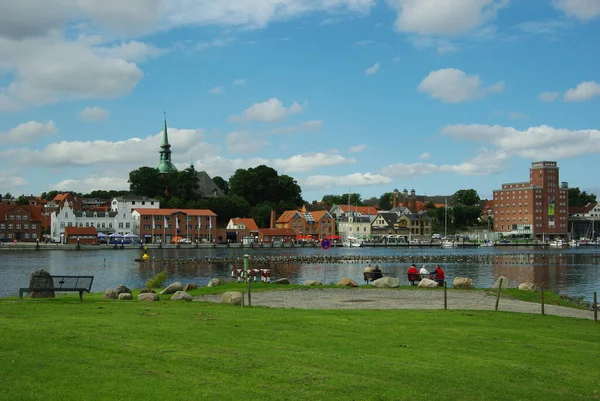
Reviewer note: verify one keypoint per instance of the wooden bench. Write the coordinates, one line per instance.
(368, 276)
(44, 283)
(415, 278)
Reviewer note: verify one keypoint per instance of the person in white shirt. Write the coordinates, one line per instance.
(424, 272)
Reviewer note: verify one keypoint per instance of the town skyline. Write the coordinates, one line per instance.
(363, 96)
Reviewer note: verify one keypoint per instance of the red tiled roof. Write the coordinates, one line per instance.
(60, 197)
(248, 222)
(80, 231)
(276, 231)
(364, 210)
(287, 216)
(164, 212)
(318, 214)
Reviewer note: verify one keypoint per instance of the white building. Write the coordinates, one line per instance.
(128, 203)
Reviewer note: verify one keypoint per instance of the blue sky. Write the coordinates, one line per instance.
(371, 95)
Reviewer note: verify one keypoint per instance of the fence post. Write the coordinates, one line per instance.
(445, 296)
(498, 295)
(595, 306)
(247, 268)
(542, 288)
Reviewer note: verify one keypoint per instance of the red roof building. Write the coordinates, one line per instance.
(164, 225)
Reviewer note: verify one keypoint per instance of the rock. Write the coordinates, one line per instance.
(427, 283)
(111, 293)
(527, 286)
(312, 282)
(44, 281)
(232, 297)
(181, 296)
(173, 288)
(387, 282)
(464, 283)
(147, 291)
(505, 282)
(215, 282)
(147, 297)
(125, 296)
(189, 287)
(347, 282)
(281, 281)
(122, 289)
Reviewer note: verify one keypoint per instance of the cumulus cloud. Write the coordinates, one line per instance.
(583, 92)
(244, 142)
(454, 86)
(425, 156)
(409, 170)
(87, 184)
(345, 181)
(28, 132)
(306, 126)
(10, 180)
(357, 148)
(548, 96)
(581, 9)
(268, 111)
(311, 161)
(92, 114)
(372, 70)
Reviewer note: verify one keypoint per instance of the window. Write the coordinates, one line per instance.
(2, 226)
(25, 217)
(62, 224)
(66, 215)
(87, 224)
(11, 217)
(127, 225)
(18, 217)
(121, 225)
(18, 226)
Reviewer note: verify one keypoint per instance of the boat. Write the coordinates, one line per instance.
(487, 242)
(447, 243)
(558, 243)
(573, 243)
(352, 242)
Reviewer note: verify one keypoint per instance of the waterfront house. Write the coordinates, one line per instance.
(20, 222)
(165, 225)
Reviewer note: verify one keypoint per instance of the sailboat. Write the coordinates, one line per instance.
(446, 243)
(348, 240)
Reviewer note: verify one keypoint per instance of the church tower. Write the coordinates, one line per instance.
(165, 165)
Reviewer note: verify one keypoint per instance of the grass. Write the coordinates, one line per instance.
(107, 349)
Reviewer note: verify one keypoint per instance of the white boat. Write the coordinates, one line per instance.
(448, 244)
(558, 243)
(487, 242)
(352, 242)
(573, 243)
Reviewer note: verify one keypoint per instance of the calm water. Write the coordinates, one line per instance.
(569, 271)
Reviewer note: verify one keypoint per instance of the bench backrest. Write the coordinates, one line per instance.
(414, 277)
(60, 282)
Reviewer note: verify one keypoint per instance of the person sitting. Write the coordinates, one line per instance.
(368, 273)
(440, 277)
(413, 274)
(377, 273)
(413, 269)
(368, 269)
(424, 272)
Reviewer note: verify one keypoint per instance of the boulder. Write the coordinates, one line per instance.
(181, 296)
(504, 280)
(312, 282)
(122, 289)
(173, 288)
(281, 281)
(232, 297)
(215, 282)
(125, 296)
(44, 281)
(147, 291)
(147, 297)
(386, 282)
(189, 287)
(111, 293)
(463, 283)
(347, 282)
(527, 286)
(427, 283)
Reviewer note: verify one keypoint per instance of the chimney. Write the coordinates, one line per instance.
(272, 222)
(395, 203)
(405, 197)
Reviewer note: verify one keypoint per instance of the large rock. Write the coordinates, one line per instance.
(173, 288)
(45, 281)
(463, 283)
(147, 291)
(147, 297)
(427, 283)
(125, 296)
(122, 289)
(281, 281)
(190, 286)
(527, 286)
(386, 282)
(312, 282)
(215, 282)
(111, 293)
(181, 296)
(347, 282)
(504, 280)
(232, 297)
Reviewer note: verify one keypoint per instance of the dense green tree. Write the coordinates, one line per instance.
(465, 216)
(103, 194)
(7, 196)
(184, 184)
(262, 214)
(465, 197)
(429, 205)
(372, 201)
(263, 184)
(22, 200)
(52, 194)
(386, 201)
(146, 181)
(353, 199)
(578, 198)
(222, 184)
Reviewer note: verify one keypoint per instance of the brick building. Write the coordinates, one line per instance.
(537, 208)
(164, 225)
(20, 222)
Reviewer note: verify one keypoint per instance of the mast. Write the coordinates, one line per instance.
(445, 217)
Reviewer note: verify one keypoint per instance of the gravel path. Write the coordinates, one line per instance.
(358, 298)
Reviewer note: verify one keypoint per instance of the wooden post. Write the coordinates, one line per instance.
(445, 296)
(542, 288)
(498, 295)
(247, 268)
(595, 306)
(242, 303)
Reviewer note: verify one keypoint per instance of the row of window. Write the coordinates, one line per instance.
(91, 224)
(18, 226)
(18, 217)
(26, 236)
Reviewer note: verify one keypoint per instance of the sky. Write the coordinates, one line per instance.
(360, 95)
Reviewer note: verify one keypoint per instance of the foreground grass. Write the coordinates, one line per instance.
(61, 349)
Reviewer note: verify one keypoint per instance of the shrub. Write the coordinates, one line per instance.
(158, 280)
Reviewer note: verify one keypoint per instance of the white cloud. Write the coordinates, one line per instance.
(269, 111)
(372, 70)
(239, 82)
(88, 184)
(581, 9)
(307, 126)
(92, 114)
(9, 181)
(542, 142)
(440, 45)
(548, 96)
(444, 17)
(216, 90)
(425, 156)
(345, 181)
(130, 51)
(583, 92)
(244, 142)
(454, 86)
(486, 163)
(310, 161)
(549, 27)
(28, 132)
(409, 170)
(357, 148)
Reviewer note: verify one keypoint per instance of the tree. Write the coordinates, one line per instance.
(263, 184)
(372, 201)
(22, 200)
(7, 196)
(465, 197)
(146, 181)
(578, 198)
(353, 199)
(386, 200)
(222, 184)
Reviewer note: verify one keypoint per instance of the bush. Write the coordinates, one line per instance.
(158, 280)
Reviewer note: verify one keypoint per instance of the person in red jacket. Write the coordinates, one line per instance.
(440, 277)
(413, 269)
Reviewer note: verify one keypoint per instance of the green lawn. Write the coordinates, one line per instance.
(125, 350)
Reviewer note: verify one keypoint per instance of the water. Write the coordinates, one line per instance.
(568, 271)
